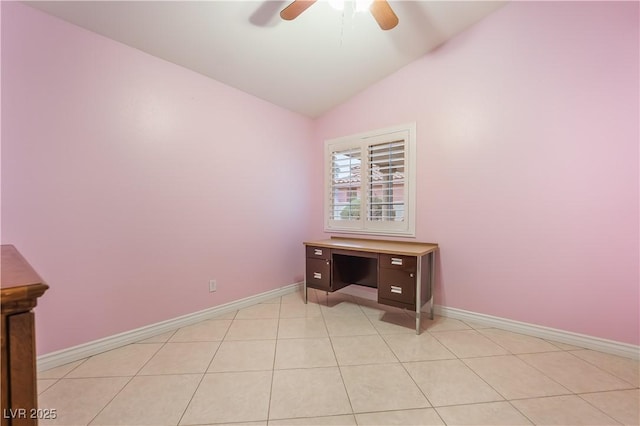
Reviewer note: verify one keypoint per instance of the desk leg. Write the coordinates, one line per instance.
(432, 278)
(306, 296)
(418, 294)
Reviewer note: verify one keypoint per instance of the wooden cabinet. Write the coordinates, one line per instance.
(20, 288)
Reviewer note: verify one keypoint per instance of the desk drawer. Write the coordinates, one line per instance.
(314, 252)
(397, 285)
(391, 261)
(318, 274)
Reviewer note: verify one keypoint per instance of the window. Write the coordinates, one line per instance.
(370, 182)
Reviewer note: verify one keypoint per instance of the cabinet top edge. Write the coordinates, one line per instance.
(15, 271)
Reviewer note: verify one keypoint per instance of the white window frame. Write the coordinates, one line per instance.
(406, 228)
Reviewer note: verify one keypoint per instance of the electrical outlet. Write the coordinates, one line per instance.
(212, 286)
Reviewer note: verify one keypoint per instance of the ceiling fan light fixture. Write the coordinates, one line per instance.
(380, 10)
(363, 5)
(336, 4)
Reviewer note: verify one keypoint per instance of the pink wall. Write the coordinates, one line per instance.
(129, 182)
(528, 163)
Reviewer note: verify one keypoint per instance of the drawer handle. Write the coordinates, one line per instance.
(317, 252)
(395, 289)
(317, 275)
(396, 261)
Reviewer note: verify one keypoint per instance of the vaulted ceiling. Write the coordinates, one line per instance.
(308, 65)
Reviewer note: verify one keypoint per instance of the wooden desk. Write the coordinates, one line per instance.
(395, 268)
(20, 288)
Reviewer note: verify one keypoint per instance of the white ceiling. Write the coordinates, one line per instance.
(308, 65)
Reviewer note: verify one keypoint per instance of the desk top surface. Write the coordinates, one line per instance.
(408, 248)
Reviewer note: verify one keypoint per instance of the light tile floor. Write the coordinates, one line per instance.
(339, 360)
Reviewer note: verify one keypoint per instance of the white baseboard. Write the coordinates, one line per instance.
(75, 353)
(547, 333)
(553, 334)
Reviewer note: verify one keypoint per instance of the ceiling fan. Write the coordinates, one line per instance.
(380, 9)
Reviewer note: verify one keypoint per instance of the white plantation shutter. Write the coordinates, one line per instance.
(386, 164)
(370, 182)
(346, 185)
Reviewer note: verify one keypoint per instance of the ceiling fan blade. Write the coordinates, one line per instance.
(295, 8)
(383, 14)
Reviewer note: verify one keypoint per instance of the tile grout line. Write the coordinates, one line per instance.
(381, 336)
(404, 367)
(574, 393)
(204, 374)
(519, 411)
(58, 379)
(344, 385)
(111, 400)
(273, 365)
(599, 367)
(599, 409)
(511, 353)
(488, 384)
(557, 350)
(461, 360)
(128, 381)
(564, 386)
